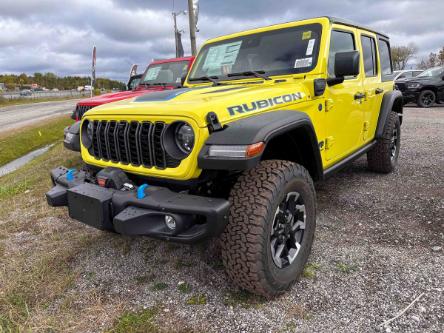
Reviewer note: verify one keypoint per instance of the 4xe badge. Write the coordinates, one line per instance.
(264, 103)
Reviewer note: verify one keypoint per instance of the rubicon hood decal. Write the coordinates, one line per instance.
(264, 103)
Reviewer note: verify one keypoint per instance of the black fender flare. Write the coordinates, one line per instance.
(257, 128)
(391, 100)
(73, 141)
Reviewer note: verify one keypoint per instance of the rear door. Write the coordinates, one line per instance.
(373, 88)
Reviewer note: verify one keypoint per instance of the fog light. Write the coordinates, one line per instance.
(170, 222)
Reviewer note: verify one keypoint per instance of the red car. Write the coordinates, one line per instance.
(160, 75)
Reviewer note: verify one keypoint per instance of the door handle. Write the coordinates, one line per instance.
(379, 91)
(359, 96)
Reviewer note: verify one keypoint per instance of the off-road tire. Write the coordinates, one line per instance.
(379, 158)
(245, 242)
(422, 103)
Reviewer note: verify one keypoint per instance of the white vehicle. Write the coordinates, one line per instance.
(406, 74)
(87, 88)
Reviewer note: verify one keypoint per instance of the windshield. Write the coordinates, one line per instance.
(168, 73)
(282, 51)
(436, 71)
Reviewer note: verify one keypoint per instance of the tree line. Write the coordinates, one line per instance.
(401, 55)
(51, 81)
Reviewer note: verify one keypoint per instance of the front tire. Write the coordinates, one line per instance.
(383, 157)
(426, 99)
(271, 227)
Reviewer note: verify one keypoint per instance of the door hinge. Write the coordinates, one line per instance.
(329, 142)
(328, 104)
(366, 126)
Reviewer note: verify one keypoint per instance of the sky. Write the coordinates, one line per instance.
(58, 36)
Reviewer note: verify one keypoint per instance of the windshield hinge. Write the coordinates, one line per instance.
(213, 123)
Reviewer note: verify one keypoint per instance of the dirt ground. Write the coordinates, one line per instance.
(378, 246)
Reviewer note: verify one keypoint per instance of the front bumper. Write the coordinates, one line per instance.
(122, 211)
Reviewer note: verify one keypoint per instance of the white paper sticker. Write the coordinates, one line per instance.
(304, 62)
(221, 55)
(152, 73)
(310, 46)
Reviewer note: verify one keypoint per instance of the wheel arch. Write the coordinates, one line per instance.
(391, 101)
(273, 128)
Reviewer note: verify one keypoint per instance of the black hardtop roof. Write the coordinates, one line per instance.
(354, 25)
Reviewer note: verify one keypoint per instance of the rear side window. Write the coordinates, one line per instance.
(340, 41)
(385, 59)
(369, 55)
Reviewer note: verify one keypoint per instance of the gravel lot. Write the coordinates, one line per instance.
(379, 245)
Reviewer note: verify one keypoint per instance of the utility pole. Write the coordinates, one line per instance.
(176, 32)
(192, 27)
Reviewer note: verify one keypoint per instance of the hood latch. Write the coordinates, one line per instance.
(213, 122)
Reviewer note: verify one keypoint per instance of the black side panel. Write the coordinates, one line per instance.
(260, 128)
(392, 100)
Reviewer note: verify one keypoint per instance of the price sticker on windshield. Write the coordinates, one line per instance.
(304, 62)
(310, 47)
(152, 73)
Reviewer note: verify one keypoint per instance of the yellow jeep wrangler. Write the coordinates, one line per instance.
(234, 154)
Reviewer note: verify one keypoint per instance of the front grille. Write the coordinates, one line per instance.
(136, 143)
(81, 109)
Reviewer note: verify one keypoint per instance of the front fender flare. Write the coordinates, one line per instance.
(254, 129)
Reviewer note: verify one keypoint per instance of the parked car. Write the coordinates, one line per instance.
(26, 92)
(160, 75)
(405, 74)
(234, 154)
(425, 89)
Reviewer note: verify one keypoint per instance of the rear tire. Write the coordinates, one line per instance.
(426, 99)
(383, 157)
(272, 223)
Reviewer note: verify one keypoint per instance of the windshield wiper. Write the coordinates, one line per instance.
(144, 84)
(213, 79)
(259, 74)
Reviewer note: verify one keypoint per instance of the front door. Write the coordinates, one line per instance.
(344, 115)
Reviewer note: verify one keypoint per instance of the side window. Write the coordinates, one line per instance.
(416, 73)
(369, 55)
(385, 59)
(340, 41)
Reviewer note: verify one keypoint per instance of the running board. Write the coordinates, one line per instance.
(347, 160)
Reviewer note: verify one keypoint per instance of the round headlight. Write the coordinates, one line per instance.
(87, 133)
(89, 130)
(185, 138)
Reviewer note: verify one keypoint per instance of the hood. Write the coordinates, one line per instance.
(229, 102)
(421, 79)
(121, 95)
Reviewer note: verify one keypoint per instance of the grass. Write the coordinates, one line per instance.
(17, 143)
(346, 268)
(310, 270)
(35, 277)
(136, 322)
(159, 286)
(243, 299)
(184, 287)
(21, 101)
(199, 299)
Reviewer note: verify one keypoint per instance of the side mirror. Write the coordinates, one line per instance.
(182, 80)
(346, 63)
